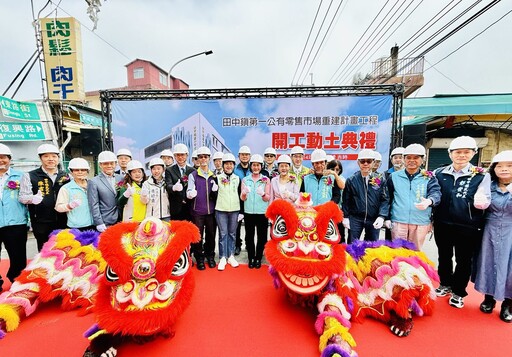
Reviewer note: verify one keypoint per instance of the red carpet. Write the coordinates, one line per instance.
(238, 313)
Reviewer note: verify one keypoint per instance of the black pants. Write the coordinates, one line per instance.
(464, 242)
(255, 223)
(206, 247)
(14, 239)
(42, 232)
(238, 240)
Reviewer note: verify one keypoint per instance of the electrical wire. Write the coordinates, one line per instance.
(24, 77)
(445, 76)
(19, 73)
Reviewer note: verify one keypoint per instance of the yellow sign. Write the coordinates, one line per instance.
(62, 46)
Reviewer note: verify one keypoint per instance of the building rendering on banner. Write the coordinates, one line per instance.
(195, 131)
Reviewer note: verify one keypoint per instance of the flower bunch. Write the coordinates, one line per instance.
(292, 178)
(476, 170)
(225, 181)
(184, 179)
(376, 181)
(13, 185)
(264, 179)
(328, 181)
(427, 174)
(63, 180)
(119, 185)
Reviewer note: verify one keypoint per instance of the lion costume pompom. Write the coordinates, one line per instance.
(389, 281)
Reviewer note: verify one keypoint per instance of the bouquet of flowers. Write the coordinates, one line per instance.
(376, 181)
(476, 170)
(328, 181)
(264, 179)
(63, 180)
(184, 179)
(427, 174)
(13, 185)
(292, 178)
(225, 181)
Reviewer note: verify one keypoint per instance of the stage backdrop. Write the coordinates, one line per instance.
(340, 125)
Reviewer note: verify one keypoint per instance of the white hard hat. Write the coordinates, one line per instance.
(270, 150)
(180, 149)
(124, 152)
(228, 157)
(318, 155)
(284, 159)
(47, 149)
(107, 156)
(297, 150)
(194, 154)
(203, 150)
(166, 152)
(156, 161)
(397, 151)
(4, 150)
(377, 156)
(503, 156)
(463, 142)
(256, 158)
(218, 155)
(78, 163)
(414, 149)
(366, 154)
(134, 164)
(244, 150)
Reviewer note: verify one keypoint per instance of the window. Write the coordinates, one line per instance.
(138, 73)
(163, 78)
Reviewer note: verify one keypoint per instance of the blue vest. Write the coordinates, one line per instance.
(12, 212)
(407, 193)
(320, 191)
(254, 203)
(80, 216)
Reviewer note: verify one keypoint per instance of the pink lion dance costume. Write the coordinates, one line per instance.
(389, 281)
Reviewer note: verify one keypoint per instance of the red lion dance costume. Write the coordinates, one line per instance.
(389, 281)
(137, 280)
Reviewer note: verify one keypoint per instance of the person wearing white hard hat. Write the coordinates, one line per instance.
(38, 190)
(130, 196)
(270, 165)
(227, 209)
(13, 216)
(297, 155)
(377, 162)
(195, 161)
(217, 162)
(322, 187)
(255, 193)
(397, 160)
(176, 178)
(202, 191)
(168, 157)
(241, 170)
(154, 194)
(284, 186)
(413, 193)
(365, 202)
(124, 156)
(102, 192)
(72, 197)
(494, 266)
(457, 223)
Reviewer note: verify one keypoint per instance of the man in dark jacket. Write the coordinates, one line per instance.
(365, 202)
(176, 177)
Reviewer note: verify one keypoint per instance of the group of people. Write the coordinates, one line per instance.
(468, 209)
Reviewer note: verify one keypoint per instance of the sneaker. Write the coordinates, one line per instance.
(232, 261)
(456, 301)
(443, 290)
(222, 264)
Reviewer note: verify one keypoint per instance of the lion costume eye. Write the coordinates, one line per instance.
(279, 228)
(111, 275)
(181, 266)
(331, 234)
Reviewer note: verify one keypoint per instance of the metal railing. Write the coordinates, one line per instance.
(388, 67)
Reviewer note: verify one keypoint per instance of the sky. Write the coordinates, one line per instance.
(256, 43)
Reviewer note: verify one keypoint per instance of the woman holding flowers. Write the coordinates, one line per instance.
(285, 185)
(256, 194)
(131, 192)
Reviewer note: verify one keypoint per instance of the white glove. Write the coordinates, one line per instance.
(101, 228)
(285, 194)
(481, 201)
(215, 187)
(144, 192)
(424, 204)
(346, 223)
(129, 191)
(37, 198)
(387, 224)
(509, 188)
(191, 194)
(260, 191)
(246, 190)
(240, 217)
(379, 222)
(74, 204)
(177, 187)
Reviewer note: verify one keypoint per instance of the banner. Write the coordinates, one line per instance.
(342, 126)
(62, 47)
